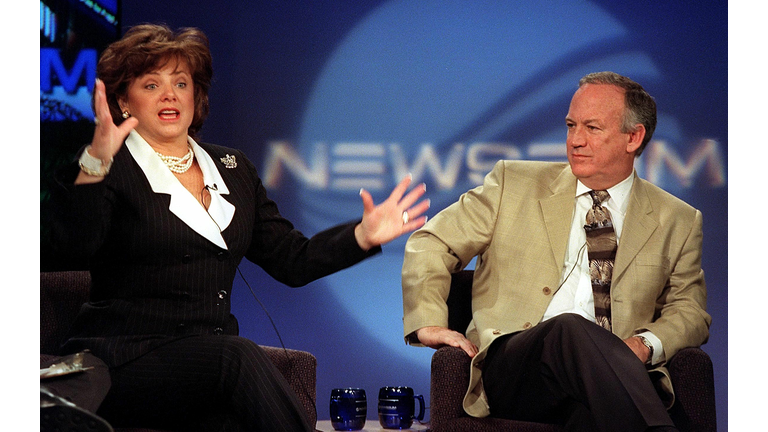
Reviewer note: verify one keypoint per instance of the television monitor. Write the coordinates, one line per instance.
(73, 33)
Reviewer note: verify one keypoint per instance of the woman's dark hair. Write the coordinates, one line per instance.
(148, 47)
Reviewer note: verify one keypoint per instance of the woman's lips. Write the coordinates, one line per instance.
(169, 114)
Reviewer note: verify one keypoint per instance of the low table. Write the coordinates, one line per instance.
(370, 426)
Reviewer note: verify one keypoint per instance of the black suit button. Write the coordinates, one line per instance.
(221, 256)
(222, 298)
(186, 259)
(218, 330)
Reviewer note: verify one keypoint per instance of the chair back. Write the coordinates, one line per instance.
(61, 296)
(460, 301)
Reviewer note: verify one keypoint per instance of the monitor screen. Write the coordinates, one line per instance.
(72, 35)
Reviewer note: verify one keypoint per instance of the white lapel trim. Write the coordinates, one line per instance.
(221, 210)
(208, 224)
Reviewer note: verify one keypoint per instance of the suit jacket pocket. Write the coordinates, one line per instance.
(652, 260)
(645, 280)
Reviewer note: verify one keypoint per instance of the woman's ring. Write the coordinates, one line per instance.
(405, 217)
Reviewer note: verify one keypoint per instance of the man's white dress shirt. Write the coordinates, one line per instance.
(575, 293)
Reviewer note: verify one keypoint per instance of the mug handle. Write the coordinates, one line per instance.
(420, 398)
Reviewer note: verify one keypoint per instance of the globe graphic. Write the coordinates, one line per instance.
(442, 89)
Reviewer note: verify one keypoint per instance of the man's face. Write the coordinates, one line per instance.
(600, 154)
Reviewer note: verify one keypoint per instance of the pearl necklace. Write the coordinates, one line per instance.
(179, 165)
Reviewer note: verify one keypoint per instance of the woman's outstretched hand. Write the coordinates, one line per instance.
(397, 215)
(107, 137)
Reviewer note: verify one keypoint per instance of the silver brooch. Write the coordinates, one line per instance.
(229, 161)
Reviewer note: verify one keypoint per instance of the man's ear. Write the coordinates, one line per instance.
(635, 138)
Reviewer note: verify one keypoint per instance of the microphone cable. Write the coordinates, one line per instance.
(304, 386)
(575, 264)
(291, 363)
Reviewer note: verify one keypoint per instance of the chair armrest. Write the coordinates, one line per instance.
(690, 369)
(448, 385)
(300, 370)
(694, 383)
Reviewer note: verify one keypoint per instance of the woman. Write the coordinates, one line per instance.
(164, 222)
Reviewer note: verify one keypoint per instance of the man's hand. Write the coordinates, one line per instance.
(436, 337)
(638, 347)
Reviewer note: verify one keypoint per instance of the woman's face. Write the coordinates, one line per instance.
(163, 101)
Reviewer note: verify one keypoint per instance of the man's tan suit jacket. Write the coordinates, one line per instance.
(517, 224)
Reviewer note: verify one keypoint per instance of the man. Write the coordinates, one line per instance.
(538, 352)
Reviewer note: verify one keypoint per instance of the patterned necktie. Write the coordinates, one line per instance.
(601, 250)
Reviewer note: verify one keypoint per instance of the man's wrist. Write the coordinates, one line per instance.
(648, 345)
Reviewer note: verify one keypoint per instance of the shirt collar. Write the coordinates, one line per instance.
(619, 193)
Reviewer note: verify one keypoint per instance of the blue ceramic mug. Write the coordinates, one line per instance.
(349, 408)
(397, 407)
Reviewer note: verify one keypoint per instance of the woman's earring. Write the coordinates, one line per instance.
(126, 114)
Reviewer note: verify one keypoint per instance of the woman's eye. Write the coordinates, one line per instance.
(151, 86)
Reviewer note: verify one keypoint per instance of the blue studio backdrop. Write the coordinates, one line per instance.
(327, 97)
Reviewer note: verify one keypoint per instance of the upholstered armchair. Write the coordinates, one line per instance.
(691, 371)
(62, 294)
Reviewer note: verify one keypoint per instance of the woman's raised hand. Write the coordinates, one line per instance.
(397, 215)
(107, 137)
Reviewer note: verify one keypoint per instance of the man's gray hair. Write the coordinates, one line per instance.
(640, 107)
